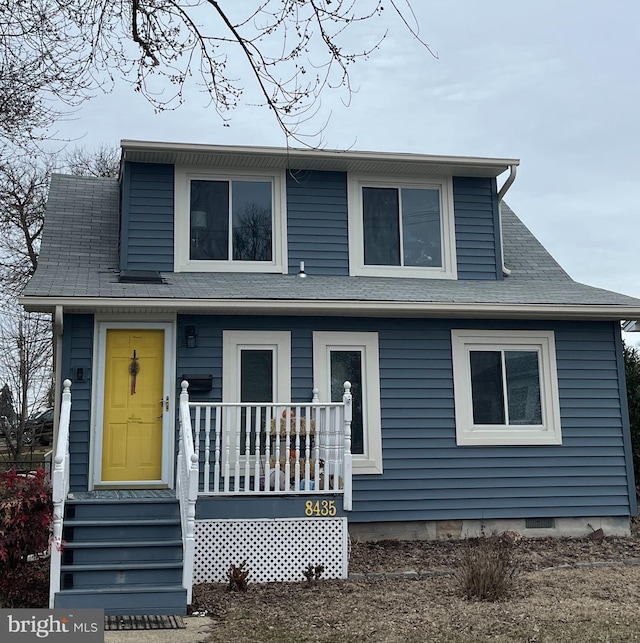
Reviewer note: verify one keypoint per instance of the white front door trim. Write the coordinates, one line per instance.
(168, 421)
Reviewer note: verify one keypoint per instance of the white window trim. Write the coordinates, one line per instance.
(370, 462)
(464, 341)
(357, 267)
(233, 341)
(182, 262)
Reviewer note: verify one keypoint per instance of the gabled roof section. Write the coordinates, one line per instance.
(307, 159)
(79, 270)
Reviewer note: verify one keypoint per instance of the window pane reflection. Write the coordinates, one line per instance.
(347, 366)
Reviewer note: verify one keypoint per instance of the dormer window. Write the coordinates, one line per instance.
(232, 222)
(401, 228)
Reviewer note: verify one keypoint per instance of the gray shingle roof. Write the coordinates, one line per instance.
(79, 259)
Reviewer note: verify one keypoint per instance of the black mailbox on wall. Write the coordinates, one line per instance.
(199, 383)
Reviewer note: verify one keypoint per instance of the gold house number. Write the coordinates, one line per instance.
(321, 508)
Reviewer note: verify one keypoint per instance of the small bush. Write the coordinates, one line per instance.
(487, 568)
(238, 578)
(312, 572)
(26, 510)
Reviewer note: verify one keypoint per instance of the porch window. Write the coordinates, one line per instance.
(230, 223)
(347, 366)
(256, 385)
(353, 357)
(256, 368)
(401, 228)
(505, 387)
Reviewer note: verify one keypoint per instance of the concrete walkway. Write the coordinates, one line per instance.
(198, 630)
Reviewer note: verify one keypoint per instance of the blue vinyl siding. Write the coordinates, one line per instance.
(426, 475)
(77, 353)
(317, 222)
(146, 241)
(477, 228)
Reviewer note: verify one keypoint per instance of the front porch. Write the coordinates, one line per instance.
(265, 483)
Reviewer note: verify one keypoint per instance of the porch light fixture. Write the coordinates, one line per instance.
(190, 336)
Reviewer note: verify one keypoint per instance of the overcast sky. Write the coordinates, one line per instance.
(553, 83)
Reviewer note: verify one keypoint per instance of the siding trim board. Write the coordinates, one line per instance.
(626, 426)
(125, 208)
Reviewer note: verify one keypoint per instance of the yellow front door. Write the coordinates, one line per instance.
(133, 408)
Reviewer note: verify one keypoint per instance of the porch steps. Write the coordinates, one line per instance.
(123, 555)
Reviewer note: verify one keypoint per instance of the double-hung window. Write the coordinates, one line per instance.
(506, 390)
(230, 222)
(401, 228)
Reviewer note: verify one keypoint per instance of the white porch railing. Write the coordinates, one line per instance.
(272, 448)
(60, 483)
(187, 490)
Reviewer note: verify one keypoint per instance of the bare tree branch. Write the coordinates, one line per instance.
(26, 354)
(295, 49)
(23, 194)
(102, 162)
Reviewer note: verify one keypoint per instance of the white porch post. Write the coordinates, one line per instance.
(347, 463)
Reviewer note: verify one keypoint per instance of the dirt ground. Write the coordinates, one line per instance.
(599, 604)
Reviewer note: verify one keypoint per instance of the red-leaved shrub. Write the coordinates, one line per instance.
(26, 585)
(26, 511)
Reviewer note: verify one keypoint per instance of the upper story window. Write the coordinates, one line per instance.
(233, 222)
(401, 228)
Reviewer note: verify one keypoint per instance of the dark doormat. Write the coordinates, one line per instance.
(143, 623)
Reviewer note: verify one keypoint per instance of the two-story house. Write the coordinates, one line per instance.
(375, 346)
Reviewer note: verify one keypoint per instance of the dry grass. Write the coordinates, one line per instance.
(487, 568)
(585, 605)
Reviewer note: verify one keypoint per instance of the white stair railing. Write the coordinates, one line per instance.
(187, 489)
(60, 489)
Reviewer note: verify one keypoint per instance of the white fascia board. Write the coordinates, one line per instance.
(290, 157)
(327, 307)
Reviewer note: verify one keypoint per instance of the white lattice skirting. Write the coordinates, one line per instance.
(275, 549)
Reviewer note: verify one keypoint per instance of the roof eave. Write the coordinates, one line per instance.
(603, 312)
(293, 158)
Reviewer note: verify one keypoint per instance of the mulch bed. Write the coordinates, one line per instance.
(532, 553)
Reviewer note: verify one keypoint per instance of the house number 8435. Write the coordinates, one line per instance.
(320, 508)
